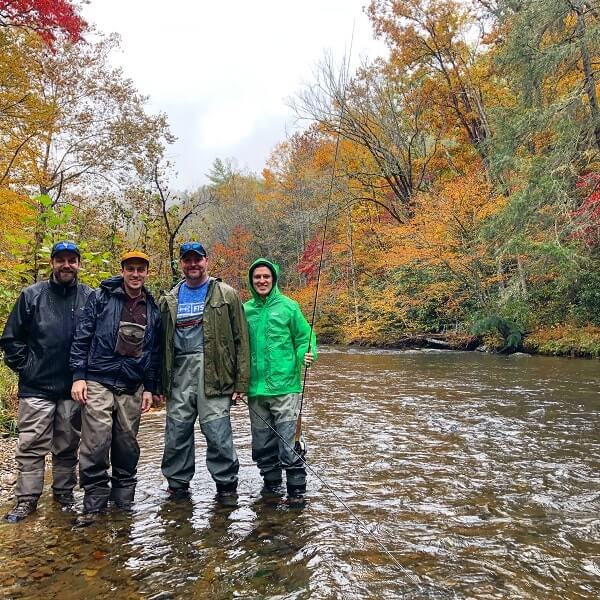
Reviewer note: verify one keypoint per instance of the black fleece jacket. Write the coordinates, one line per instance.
(37, 337)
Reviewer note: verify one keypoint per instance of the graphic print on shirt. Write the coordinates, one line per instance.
(190, 305)
(189, 333)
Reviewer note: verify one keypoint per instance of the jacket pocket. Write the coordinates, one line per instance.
(26, 369)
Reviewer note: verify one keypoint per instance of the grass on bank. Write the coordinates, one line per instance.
(564, 340)
(8, 401)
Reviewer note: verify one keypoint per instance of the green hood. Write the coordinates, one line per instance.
(280, 336)
(274, 268)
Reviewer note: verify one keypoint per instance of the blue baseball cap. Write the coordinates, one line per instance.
(65, 246)
(196, 247)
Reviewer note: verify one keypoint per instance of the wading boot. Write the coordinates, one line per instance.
(272, 487)
(86, 519)
(227, 495)
(122, 498)
(182, 493)
(64, 498)
(123, 505)
(296, 495)
(22, 509)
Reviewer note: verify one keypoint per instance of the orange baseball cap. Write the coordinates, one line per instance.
(134, 254)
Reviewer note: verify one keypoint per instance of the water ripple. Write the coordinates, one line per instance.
(469, 476)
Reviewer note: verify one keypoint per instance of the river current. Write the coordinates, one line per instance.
(463, 476)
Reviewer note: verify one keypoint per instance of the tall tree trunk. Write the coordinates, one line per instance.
(522, 277)
(588, 71)
(352, 268)
(172, 261)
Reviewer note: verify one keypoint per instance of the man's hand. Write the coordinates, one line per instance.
(236, 396)
(158, 400)
(308, 359)
(79, 391)
(146, 402)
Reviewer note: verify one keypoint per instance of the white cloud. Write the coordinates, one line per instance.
(222, 70)
(225, 125)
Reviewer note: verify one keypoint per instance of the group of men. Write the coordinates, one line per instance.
(90, 362)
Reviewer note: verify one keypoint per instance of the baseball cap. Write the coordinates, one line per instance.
(196, 247)
(134, 254)
(64, 246)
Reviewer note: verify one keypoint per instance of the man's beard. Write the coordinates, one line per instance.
(65, 277)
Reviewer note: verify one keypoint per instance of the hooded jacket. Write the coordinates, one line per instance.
(37, 337)
(226, 352)
(93, 355)
(279, 339)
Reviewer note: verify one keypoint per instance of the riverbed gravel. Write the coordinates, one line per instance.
(8, 467)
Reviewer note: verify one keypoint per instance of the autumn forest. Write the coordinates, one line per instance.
(458, 175)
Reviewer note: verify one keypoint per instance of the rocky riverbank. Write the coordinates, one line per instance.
(8, 467)
(557, 340)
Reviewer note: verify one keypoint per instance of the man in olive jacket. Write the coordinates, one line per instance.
(206, 368)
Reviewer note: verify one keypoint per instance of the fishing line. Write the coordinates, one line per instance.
(299, 450)
(413, 578)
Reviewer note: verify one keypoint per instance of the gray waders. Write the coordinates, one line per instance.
(110, 423)
(268, 450)
(47, 426)
(186, 404)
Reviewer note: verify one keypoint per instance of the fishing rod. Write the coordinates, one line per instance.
(299, 448)
(344, 75)
(413, 577)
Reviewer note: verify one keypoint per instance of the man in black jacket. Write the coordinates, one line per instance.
(36, 343)
(115, 359)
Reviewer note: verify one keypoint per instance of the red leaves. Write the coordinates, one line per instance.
(232, 259)
(589, 184)
(311, 257)
(49, 18)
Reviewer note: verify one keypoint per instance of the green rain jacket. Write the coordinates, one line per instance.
(279, 339)
(226, 348)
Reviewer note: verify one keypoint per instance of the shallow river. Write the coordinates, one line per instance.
(469, 476)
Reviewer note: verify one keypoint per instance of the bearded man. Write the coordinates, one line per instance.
(36, 343)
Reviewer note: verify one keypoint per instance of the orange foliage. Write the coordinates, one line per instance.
(230, 261)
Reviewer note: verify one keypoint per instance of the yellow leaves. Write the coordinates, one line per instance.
(23, 109)
(445, 227)
(16, 212)
(89, 572)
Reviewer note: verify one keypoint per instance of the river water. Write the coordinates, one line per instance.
(470, 476)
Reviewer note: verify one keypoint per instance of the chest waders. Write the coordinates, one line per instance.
(187, 403)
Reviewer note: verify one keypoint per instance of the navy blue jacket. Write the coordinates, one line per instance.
(37, 337)
(93, 355)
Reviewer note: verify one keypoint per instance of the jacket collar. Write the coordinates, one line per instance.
(62, 290)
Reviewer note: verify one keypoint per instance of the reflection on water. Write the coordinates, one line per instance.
(480, 474)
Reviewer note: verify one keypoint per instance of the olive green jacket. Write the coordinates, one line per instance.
(226, 346)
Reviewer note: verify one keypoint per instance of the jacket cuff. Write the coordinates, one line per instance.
(150, 386)
(241, 385)
(79, 375)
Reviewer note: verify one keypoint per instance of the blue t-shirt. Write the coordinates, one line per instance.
(189, 332)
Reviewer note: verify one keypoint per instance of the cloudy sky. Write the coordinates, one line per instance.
(222, 70)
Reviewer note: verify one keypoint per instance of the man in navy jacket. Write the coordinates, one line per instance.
(115, 359)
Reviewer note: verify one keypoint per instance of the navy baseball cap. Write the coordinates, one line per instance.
(65, 246)
(196, 247)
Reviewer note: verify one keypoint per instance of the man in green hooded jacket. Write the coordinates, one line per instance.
(281, 341)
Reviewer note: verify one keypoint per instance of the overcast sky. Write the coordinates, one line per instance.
(222, 70)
